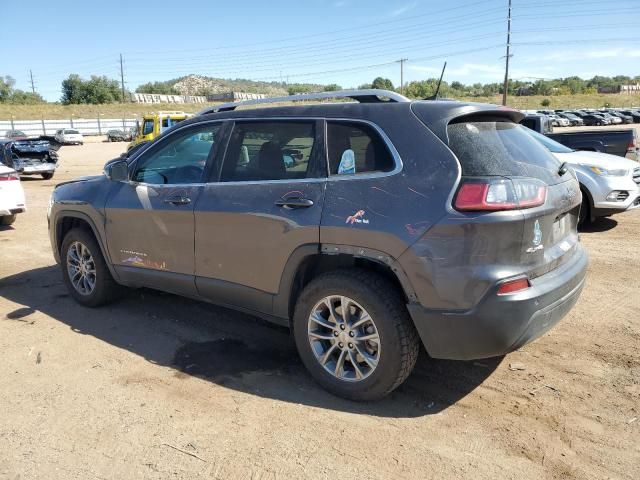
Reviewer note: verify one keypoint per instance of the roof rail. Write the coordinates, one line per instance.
(362, 96)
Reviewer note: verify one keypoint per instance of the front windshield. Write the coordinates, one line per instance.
(551, 145)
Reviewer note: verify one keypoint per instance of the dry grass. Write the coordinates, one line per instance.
(116, 110)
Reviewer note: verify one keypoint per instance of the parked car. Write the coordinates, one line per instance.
(622, 143)
(11, 195)
(612, 120)
(29, 157)
(364, 246)
(69, 136)
(574, 120)
(625, 118)
(125, 135)
(634, 114)
(609, 184)
(558, 121)
(591, 120)
(14, 134)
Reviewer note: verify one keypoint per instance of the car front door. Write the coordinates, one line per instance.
(149, 219)
(266, 204)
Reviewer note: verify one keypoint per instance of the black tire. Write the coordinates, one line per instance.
(399, 340)
(106, 289)
(584, 217)
(7, 220)
(47, 176)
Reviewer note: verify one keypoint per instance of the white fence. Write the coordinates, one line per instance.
(86, 126)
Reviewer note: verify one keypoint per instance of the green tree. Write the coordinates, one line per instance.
(333, 87)
(6, 88)
(162, 88)
(96, 90)
(382, 83)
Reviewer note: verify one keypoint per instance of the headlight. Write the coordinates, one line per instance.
(605, 172)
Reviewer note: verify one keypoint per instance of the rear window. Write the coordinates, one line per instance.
(498, 148)
(72, 132)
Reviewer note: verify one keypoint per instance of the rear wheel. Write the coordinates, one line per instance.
(47, 176)
(7, 219)
(84, 270)
(354, 334)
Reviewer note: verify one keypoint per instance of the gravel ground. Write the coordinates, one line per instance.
(157, 386)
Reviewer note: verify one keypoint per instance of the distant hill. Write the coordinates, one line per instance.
(201, 85)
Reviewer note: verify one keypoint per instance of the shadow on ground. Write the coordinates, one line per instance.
(601, 224)
(227, 347)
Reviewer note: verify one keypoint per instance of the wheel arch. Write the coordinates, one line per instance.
(67, 220)
(309, 261)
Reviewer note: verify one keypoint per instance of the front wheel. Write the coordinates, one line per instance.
(84, 270)
(47, 176)
(584, 217)
(354, 335)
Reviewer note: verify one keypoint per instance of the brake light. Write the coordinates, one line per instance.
(513, 286)
(4, 177)
(632, 145)
(495, 194)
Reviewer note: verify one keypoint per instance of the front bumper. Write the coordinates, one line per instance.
(603, 207)
(502, 324)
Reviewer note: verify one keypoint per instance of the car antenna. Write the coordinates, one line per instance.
(435, 95)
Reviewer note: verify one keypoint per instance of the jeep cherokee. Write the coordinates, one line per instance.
(395, 223)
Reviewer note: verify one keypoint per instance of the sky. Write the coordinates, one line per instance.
(347, 42)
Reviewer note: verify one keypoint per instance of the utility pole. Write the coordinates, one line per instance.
(122, 77)
(506, 67)
(33, 86)
(401, 62)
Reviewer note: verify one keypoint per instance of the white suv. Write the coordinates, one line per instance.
(69, 136)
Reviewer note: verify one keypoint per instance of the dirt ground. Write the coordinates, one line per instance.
(157, 386)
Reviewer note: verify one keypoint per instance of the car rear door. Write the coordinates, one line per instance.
(149, 219)
(265, 203)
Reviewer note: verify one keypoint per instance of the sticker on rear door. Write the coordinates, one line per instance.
(537, 239)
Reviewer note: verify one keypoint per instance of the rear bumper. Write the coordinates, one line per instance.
(502, 324)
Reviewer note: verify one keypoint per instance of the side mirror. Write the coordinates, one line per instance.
(117, 171)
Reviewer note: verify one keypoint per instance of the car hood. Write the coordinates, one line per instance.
(89, 178)
(596, 159)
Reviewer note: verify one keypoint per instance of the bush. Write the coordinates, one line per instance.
(545, 102)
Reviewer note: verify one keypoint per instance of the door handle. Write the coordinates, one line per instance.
(178, 200)
(294, 202)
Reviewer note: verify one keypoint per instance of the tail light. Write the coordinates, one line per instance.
(4, 177)
(513, 286)
(494, 194)
(632, 145)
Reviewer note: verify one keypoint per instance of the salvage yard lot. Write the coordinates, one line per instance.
(158, 386)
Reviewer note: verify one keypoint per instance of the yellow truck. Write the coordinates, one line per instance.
(153, 124)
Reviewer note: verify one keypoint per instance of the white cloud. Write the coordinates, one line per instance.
(404, 9)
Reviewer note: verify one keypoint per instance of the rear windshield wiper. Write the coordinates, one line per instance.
(563, 169)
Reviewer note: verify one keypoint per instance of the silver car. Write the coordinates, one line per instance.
(609, 184)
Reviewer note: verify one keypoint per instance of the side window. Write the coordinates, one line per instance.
(269, 151)
(147, 127)
(180, 159)
(356, 148)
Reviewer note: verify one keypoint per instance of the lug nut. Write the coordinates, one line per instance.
(335, 334)
(351, 334)
(341, 345)
(351, 345)
(342, 327)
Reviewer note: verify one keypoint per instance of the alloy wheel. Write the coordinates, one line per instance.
(81, 268)
(344, 338)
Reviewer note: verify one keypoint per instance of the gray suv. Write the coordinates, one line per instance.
(367, 227)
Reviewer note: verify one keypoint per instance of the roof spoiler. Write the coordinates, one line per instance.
(363, 96)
